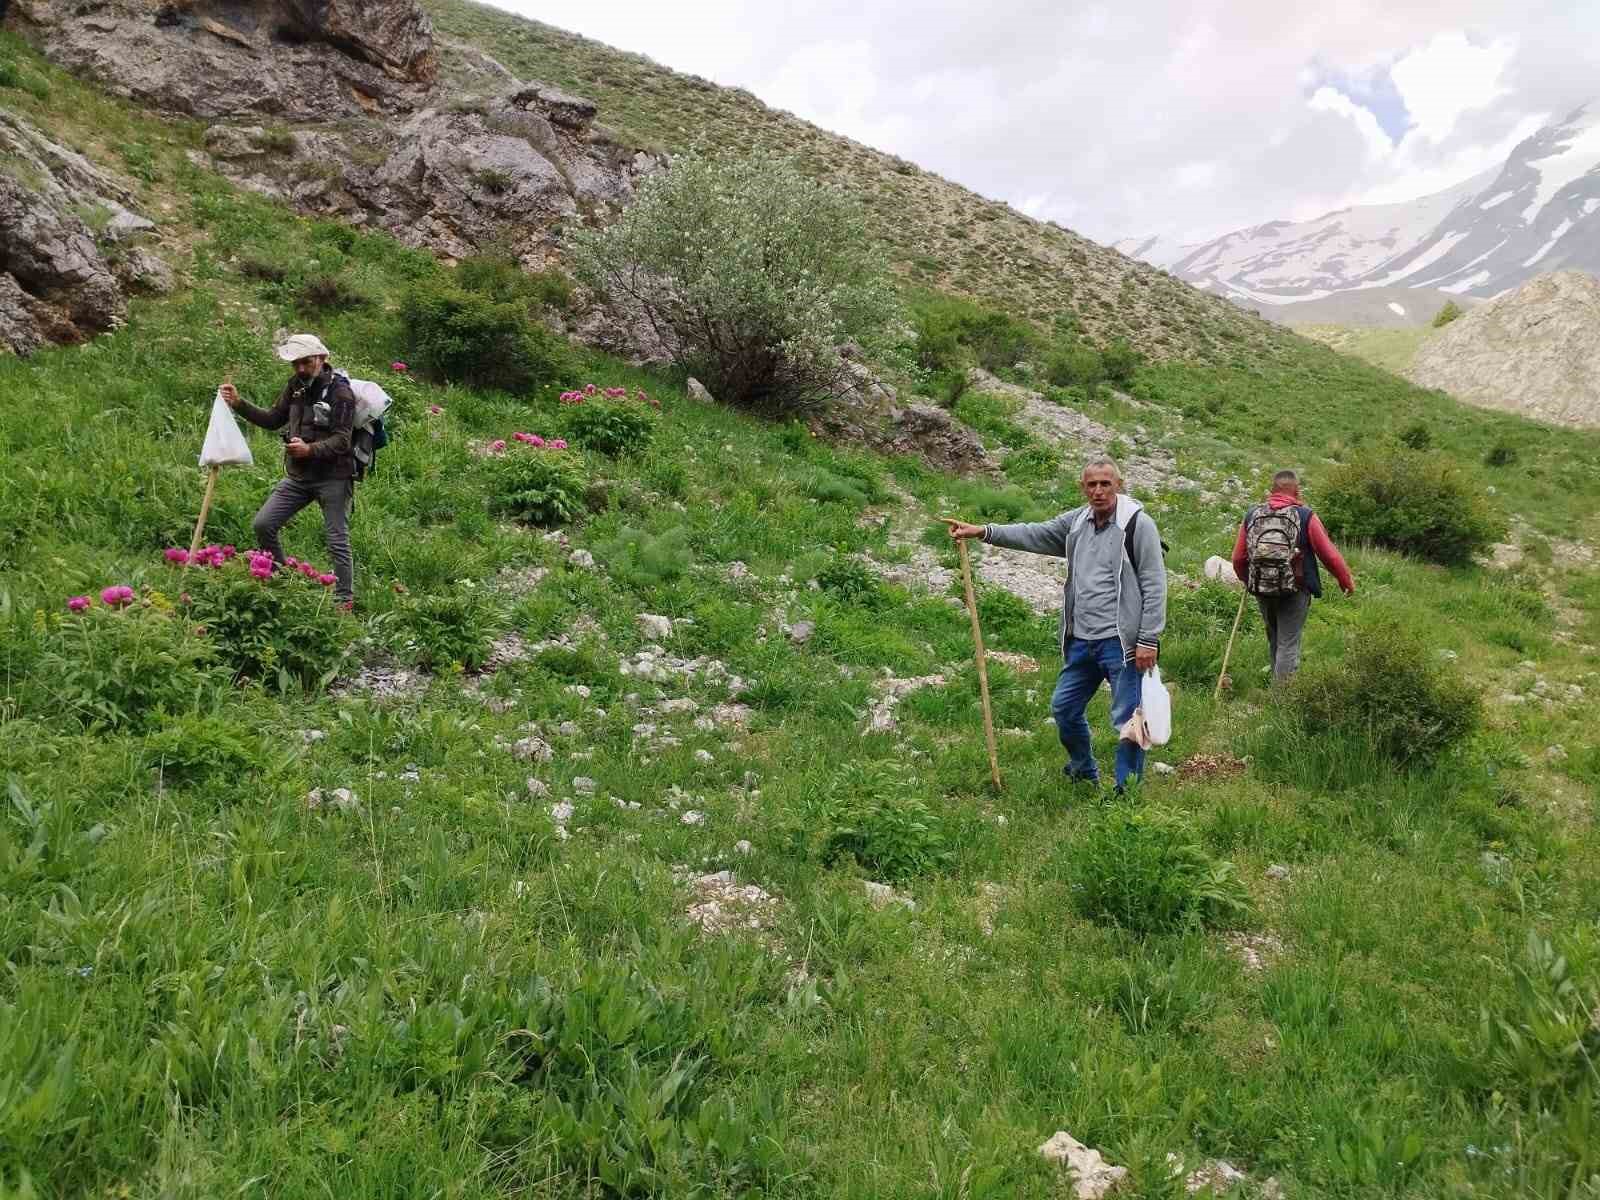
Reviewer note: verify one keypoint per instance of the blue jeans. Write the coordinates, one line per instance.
(1089, 662)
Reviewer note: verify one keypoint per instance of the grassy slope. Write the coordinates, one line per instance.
(230, 994)
(940, 234)
(1392, 349)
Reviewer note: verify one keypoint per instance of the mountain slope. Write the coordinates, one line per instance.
(1537, 212)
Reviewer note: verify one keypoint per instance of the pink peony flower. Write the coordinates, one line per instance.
(325, 580)
(117, 595)
(557, 443)
(78, 603)
(589, 389)
(399, 366)
(497, 446)
(228, 552)
(616, 393)
(177, 555)
(435, 409)
(535, 440)
(292, 562)
(640, 395)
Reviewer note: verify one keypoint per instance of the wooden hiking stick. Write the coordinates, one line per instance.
(205, 504)
(1228, 653)
(983, 664)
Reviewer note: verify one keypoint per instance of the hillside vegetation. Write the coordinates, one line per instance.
(429, 899)
(941, 234)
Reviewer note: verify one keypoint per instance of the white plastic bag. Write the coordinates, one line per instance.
(1156, 702)
(371, 400)
(224, 445)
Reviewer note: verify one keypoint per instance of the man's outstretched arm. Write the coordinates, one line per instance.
(1036, 537)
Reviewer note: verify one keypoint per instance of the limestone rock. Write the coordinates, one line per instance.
(653, 626)
(1221, 570)
(1092, 1176)
(143, 270)
(882, 896)
(697, 391)
(1534, 351)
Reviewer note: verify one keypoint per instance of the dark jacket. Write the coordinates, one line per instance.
(296, 413)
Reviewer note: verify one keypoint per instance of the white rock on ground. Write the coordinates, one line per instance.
(1216, 1175)
(723, 904)
(1257, 951)
(1164, 768)
(583, 785)
(1221, 569)
(693, 817)
(1092, 1176)
(582, 559)
(882, 895)
(704, 757)
(1278, 872)
(654, 626)
(697, 391)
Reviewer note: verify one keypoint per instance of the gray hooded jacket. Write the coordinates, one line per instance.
(1141, 594)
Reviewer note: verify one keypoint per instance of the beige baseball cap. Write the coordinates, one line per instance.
(301, 345)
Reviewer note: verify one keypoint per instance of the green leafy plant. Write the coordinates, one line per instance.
(645, 560)
(611, 427)
(1145, 871)
(126, 668)
(1416, 436)
(1501, 454)
(444, 629)
(467, 337)
(1388, 691)
(849, 581)
(1416, 503)
(198, 749)
(756, 271)
(283, 631)
(1445, 315)
(871, 813)
(536, 487)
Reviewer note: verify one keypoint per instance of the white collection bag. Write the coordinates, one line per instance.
(1156, 703)
(224, 445)
(371, 400)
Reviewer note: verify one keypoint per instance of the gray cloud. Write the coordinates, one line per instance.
(1185, 117)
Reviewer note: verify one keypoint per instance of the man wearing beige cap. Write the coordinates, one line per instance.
(318, 408)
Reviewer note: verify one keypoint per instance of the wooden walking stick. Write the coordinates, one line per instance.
(1228, 653)
(983, 664)
(205, 504)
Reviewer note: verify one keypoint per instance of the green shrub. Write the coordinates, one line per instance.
(1501, 454)
(329, 293)
(870, 812)
(284, 630)
(191, 750)
(1416, 436)
(1445, 315)
(536, 487)
(1119, 361)
(1417, 503)
(461, 336)
(502, 279)
(758, 271)
(444, 629)
(645, 560)
(126, 668)
(849, 581)
(1075, 365)
(825, 487)
(1143, 870)
(1391, 691)
(611, 427)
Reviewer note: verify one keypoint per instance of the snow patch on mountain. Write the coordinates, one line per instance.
(1561, 232)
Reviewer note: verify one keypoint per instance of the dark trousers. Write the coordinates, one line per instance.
(1285, 619)
(1090, 663)
(288, 498)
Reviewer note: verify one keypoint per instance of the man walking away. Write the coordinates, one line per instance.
(1276, 555)
(1113, 608)
(319, 411)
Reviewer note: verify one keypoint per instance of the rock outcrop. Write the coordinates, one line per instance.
(1534, 351)
(60, 279)
(301, 60)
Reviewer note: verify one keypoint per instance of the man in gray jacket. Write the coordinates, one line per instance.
(1113, 608)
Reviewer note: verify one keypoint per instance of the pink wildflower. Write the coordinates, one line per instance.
(616, 393)
(325, 579)
(640, 395)
(78, 603)
(292, 562)
(399, 366)
(435, 409)
(557, 443)
(117, 595)
(589, 389)
(177, 555)
(498, 446)
(522, 437)
(535, 440)
(228, 552)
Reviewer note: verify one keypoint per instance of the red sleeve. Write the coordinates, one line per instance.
(1241, 560)
(1324, 548)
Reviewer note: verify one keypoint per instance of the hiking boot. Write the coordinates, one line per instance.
(1072, 776)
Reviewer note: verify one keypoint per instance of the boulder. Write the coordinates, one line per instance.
(142, 270)
(1092, 1176)
(697, 391)
(1221, 570)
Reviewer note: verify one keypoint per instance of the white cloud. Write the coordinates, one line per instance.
(1180, 117)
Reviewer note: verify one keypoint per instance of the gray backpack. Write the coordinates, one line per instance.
(1272, 539)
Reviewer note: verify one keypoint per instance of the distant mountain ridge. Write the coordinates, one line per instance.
(1537, 212)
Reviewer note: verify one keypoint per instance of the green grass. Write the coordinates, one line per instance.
(211, 988)
(1392, 349)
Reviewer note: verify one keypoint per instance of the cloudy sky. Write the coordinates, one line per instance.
(1181, 117)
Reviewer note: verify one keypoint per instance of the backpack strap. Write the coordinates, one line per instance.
(1127, 541)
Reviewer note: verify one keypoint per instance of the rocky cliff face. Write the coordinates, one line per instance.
(1534, 351)
(351, 110)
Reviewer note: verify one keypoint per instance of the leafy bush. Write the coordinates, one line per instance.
(1120, 360)
(1143, 870)
(1416, 436)
(195, 750)
(1501, 454)
(757, 271)
(645, 560)
(536, 487)
(849, 581)
(502, 279)
(1445, 315)
(445, 629)
(1389, 690)
(1416, 503)
(327, 292)
(1075, 365)
(126, 668)
(824, 486)
(870, 812)
(611, 427)
(461, 336)
(283, 630)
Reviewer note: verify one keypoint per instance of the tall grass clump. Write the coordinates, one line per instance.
(752, 272)
(466, 337)
(1415, 502)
